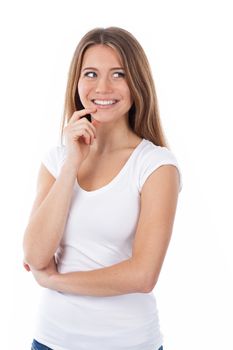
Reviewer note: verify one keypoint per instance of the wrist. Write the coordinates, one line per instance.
(70, 167)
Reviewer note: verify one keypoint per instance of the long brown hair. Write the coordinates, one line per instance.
(144, 118)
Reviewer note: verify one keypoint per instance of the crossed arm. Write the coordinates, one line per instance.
(140, 273)
(121, 278)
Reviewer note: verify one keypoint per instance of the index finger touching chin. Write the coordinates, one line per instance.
(79, 114)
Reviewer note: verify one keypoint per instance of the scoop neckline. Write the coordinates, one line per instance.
(116, 178)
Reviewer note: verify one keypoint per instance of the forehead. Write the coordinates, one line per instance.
(101, 55)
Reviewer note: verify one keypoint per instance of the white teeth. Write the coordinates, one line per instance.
(104, 102)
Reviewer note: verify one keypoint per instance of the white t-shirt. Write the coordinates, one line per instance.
(99, 232)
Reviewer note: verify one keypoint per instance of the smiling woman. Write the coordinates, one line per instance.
(102, 83)
(102, 219)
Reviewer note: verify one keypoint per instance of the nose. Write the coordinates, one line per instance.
(103, 86)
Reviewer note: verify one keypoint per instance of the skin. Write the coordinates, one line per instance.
(104, 82)
(108, 131)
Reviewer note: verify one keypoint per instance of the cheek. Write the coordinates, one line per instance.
(125, 90)
(128, 96)
(82, 91)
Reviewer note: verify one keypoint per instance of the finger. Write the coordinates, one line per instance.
(85, 123)
(96, 123)
(87, 127)
(85, 135)
(26, 266)
(79, 114)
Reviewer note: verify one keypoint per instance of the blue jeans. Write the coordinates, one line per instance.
(38, 346)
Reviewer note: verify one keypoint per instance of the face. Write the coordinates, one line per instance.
(102, 84)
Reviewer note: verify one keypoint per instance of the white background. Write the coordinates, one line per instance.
(189, 46)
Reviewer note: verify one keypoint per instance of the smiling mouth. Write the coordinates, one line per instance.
(104, 103)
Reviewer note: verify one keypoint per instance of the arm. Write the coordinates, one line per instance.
(121, 278)
(140, 273)
(50, 210)
(158, 207)
(49, 214)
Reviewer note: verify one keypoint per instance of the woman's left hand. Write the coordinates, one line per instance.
(42, 276)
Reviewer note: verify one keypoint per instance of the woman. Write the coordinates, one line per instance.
(105, 206)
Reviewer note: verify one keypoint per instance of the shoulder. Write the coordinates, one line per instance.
(53, 158)
(150, 150)
(151, 157)
(55, 150)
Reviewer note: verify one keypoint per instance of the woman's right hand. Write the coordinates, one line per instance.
(79, 136)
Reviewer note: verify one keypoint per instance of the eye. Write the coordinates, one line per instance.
(90, 74)
(119, 74)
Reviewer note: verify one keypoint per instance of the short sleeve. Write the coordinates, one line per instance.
(53, 159)
(156, 157)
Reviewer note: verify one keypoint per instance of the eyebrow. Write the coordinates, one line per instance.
(93, 68)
